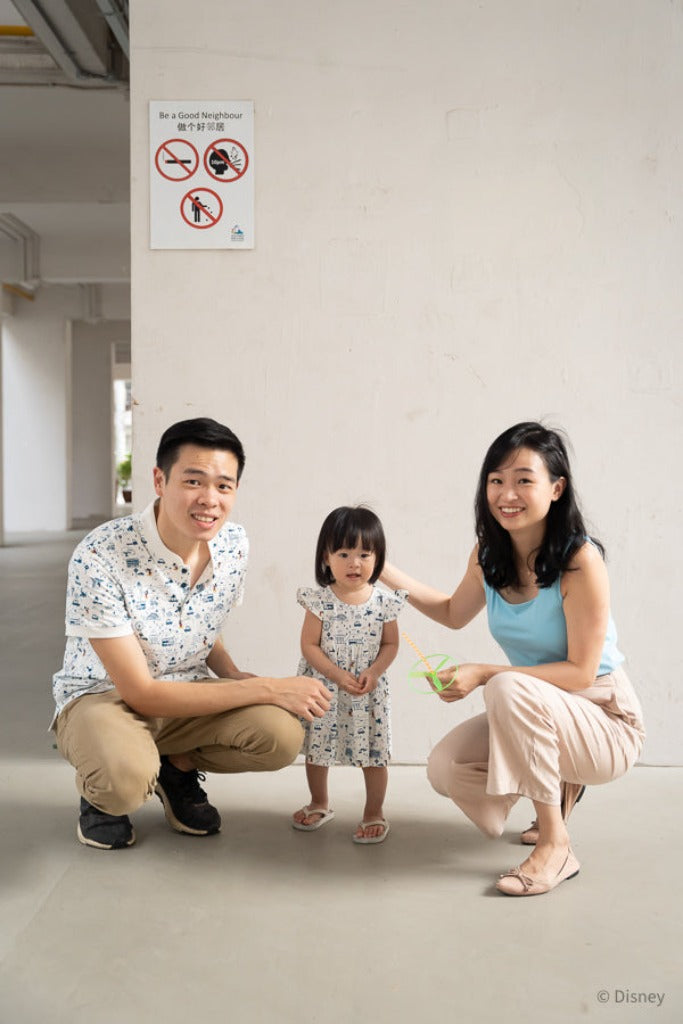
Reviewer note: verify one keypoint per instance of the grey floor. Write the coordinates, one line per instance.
(266, 925)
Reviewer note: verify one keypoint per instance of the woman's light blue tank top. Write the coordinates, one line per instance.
(535, 632)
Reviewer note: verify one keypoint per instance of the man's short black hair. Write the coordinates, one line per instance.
(205, 433)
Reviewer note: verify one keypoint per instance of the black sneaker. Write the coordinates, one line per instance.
(185, 803)
(103, 831)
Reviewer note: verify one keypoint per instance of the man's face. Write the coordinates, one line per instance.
(198, 496)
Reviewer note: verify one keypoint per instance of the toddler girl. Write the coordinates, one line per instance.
(348, 640)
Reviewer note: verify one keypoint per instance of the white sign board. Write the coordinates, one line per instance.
(201, 174)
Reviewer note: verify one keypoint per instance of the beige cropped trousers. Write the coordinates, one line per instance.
(533, 737)
(116, 752)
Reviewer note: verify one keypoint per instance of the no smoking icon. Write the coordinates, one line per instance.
(176, 160)
(201, 208)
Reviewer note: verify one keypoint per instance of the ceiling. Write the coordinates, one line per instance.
(64, 125)
(78, 43)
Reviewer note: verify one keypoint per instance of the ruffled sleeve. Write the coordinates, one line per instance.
(311, 599)
(392, 603)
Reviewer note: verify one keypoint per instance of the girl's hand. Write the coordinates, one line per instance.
(348, 682)
(459, 684)
(368, 680)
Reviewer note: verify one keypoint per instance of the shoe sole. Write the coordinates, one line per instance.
(103, 846)
(541, 892)
(177, 825)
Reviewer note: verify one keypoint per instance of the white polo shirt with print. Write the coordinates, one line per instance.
(124, 581)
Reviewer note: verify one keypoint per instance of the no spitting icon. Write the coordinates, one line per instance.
(201, 208)
(226, 160)
(176, 160)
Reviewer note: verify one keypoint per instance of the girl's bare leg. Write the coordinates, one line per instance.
(376, 780)
(316, 774)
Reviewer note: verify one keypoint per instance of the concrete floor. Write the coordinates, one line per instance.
(266, 925)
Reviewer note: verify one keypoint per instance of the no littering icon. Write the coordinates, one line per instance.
(201, 208)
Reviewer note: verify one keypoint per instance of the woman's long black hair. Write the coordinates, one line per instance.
(565, 530)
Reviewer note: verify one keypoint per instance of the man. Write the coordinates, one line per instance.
(148, 697)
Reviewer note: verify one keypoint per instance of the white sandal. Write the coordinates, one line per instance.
(366, 840)
(309, 811)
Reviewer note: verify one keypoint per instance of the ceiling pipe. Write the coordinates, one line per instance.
(51, 33)
(116, 16)
(16, 30)
(28, 268)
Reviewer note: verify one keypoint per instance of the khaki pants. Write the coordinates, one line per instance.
(533, 737)
(116, 752)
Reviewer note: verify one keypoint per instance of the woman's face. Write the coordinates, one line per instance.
(520, 492)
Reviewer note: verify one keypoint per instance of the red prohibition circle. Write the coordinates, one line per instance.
(163, 148)
(213, 151)
(198, 192)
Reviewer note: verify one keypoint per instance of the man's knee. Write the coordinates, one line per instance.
(287, 739)
(115, 757)
(270, 738)
(119, 786)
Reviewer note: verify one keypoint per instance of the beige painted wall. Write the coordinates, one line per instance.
(467, 214)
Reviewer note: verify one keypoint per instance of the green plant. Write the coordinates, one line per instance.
(124, 470)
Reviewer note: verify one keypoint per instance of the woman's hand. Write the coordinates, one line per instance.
(455, 611)
(458, 684)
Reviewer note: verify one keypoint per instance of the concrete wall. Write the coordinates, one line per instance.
(34, 401)
(65, 173)
(92, 474)
(466, 215)
(44, 366)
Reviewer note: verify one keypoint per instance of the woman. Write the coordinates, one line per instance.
(565, 715)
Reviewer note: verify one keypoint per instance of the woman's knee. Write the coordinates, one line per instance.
(440, 769)
(504, 689)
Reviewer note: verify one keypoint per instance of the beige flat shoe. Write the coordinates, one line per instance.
(571, 794)
(517, 883)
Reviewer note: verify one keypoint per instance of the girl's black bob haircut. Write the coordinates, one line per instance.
(345, 527)
(565, 530)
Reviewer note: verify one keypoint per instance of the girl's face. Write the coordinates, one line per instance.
(351, 568)
(520, 491)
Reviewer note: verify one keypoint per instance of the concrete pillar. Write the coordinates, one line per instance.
(466, 215)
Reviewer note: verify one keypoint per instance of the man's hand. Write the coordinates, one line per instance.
(305, 697)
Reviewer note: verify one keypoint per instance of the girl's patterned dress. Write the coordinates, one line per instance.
(356, 730)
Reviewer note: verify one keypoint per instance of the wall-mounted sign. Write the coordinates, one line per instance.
(201, 174)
